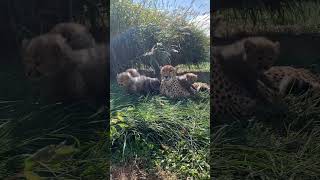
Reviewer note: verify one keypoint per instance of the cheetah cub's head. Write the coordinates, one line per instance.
(45, 56)
(123, 79)
(168, 72)
(191, 77)
(261, 53)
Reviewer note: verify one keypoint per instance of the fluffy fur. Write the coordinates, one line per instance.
(190, 77)
(244, 62)
(200, 87)
(76, 35)
(138, 84)
(174, 86)
(64, 74)
(133, 72)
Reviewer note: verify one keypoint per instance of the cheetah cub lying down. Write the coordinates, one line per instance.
(135, 83)
(175, 86)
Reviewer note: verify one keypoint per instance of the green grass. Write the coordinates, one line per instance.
(280, 144)
(295, 18)
(38, 126)
(168, 134)
(201, 67)
(27, 126)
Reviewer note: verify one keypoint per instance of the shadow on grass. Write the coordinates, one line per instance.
(279, 144)
(27, 126)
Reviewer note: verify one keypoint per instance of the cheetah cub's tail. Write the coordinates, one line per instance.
(201, 87)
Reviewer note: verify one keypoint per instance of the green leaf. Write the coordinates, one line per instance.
(29, 164)
(122, 125)
(113, 131)
(31, 175)
(65, 150)
(114, 121)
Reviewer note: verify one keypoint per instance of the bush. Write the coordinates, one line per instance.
(182, 42)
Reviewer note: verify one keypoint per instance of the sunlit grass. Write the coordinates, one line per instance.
(201, 67)
(174, 135)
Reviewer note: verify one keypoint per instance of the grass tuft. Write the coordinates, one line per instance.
(173, 135)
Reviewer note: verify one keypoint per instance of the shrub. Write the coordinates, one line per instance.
(137, 28)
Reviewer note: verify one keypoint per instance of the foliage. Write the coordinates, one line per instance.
(185, 161)
(201, 67)
(292, 16)
(160, 128)
(50, 141)
(181, 39)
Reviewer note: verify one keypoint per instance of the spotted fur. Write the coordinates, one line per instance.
(228, 98)
(139, 84)
(289, 79)
(233, 99)
(199, 86)
(171, 85)
(238, 80)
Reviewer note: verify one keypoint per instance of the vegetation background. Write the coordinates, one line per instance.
(143, 25)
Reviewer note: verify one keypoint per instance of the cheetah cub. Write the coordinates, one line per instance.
(244, 62)
(191, 79)
(133, 72)
(138, 84)
(62, 73)
(77, 35)
(174, 86)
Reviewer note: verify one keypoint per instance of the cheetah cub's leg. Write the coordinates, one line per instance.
(291, 84)
(161, 89)
(266, 93)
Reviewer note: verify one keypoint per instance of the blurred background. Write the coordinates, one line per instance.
(25, 19)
